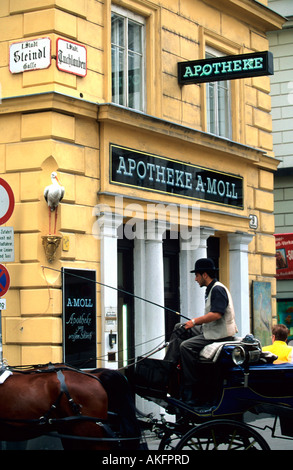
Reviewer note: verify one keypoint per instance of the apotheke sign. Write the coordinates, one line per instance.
(153, 173)
(33, 54)
(226, 68)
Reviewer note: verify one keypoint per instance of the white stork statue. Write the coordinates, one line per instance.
(53, 194)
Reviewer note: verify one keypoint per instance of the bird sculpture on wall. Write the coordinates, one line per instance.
(53, 195)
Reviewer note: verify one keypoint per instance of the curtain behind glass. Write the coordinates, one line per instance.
(218, 107)
(117, 57)
(127, 62)
(134, 66)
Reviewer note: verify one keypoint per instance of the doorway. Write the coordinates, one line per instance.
(126, 345)
(213, 251)
(171, 282)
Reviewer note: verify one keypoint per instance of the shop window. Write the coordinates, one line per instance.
(218, 102)
(128, 58)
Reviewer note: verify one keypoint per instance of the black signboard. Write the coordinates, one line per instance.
(79, 317)
(226, 68)
(150, 172)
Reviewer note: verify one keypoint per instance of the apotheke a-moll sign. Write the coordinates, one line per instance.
(226, 68)
(79, 316)
(71, 57)
(33, 54)
(151, 172)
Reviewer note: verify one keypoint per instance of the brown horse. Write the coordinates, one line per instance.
(60, 398)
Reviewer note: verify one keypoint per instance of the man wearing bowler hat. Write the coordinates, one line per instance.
(217, 324)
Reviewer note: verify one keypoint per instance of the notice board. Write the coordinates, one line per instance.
(284, 255)
(79, 317)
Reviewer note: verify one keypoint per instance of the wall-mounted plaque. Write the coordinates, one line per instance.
(71, 57)
(33, 54)
(79, 317)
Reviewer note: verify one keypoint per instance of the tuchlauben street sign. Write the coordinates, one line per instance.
(154, 173)
(71, 57)
(226, 68)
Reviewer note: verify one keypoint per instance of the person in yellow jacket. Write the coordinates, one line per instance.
(280, 347)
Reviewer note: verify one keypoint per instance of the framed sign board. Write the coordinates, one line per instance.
(284, 255)
(262, 311)
(149, 172)
(226, 68)
(79, 317)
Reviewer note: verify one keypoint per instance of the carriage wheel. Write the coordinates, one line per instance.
(222, 435)
(169, 441)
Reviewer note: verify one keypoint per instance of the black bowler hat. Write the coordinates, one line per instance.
(203, 265)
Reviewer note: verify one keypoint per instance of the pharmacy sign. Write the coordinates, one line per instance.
(225, 68)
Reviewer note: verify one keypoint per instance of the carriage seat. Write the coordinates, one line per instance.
(212, 351)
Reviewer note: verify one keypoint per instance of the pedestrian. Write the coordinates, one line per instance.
(280, 347)
(217, 324)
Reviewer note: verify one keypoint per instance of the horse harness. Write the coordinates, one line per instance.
(76, 408)
(64, 390)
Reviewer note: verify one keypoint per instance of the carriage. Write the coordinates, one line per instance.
(94, 409)
(237, 377)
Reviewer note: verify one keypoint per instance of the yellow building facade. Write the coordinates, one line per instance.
(54, 117)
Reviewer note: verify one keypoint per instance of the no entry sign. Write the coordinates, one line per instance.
(6, 201)
(4, 280)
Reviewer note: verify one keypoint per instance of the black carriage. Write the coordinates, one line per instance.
(237, 377)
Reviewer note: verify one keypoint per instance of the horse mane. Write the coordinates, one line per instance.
(121, 402)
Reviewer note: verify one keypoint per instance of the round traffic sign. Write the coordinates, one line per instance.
(6, 201)
(4, 280)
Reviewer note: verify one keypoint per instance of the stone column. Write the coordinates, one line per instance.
(149, 285)
(191, 295)
(154, 286)
(108, 224)
(239, 280)
(139, 291)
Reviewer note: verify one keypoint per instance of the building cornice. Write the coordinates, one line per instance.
(51, 100)
(114, 114)
(254, 13)
(121, 116)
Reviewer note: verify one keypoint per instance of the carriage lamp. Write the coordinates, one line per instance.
(238, 355)
(241, 356)
(254, 355)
